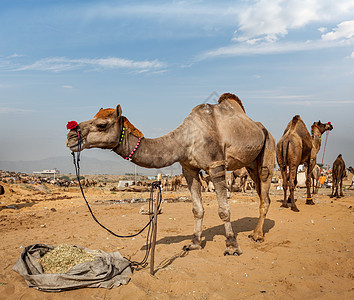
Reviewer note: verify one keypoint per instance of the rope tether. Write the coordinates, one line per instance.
(150, 225)
(324, 150)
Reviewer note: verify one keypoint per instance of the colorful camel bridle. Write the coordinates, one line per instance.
(75, 125)
(318, 135)
(129, 157)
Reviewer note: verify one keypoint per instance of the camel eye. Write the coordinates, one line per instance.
(101, 126)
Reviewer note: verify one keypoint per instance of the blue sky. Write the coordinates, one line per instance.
(63, 60)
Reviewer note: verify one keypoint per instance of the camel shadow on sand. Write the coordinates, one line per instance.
(241, 225)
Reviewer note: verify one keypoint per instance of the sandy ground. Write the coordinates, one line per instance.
(305, 255)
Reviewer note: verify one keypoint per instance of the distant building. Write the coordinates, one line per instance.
(47, 172)
(124, 183)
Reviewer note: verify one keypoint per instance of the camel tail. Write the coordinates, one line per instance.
(285, 155)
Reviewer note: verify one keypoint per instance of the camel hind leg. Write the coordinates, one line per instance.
(261, 171)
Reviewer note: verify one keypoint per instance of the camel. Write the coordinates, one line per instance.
(315, 176)
(176, 182)
(338, 173)
(213, 137)
(242, 174)
(296, 147)
(207, 183)
(351, 169)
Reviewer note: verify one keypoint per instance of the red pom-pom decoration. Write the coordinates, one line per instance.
(72, 125)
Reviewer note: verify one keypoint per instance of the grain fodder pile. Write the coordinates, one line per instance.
(62, 258)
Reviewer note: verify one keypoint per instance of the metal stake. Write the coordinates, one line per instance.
(154, 234)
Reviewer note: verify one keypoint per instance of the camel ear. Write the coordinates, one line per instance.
(118, 111)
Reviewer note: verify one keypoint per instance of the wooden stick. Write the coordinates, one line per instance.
(154, 234)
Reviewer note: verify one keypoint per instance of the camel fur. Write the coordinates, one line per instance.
(214, 138)
(296, 147)
(338, 173)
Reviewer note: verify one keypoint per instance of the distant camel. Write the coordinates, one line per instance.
(296, 147)
(315, 175)
(214, 137)
(351, 169)
(207, 183)
(338, 173)
(176, 182)
(243, 175)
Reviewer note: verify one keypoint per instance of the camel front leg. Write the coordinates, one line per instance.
(218, 175)
(194, 185)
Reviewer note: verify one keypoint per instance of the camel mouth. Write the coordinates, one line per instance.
(75, 147)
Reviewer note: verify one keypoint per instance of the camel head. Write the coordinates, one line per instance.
(322, 127)
(102, 131)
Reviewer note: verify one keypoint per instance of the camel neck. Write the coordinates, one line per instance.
(151, 153)
(316, 137)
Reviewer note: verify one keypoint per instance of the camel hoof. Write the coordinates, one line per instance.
(234, 252)
(226, 253)
(310, 202)
(192, 247)
(257, 238)
(295, 209)
(284, 205)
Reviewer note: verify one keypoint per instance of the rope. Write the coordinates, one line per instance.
(324, 150)
(149, 225)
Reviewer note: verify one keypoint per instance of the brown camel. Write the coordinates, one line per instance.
(315, 176)
(296, 147)
(176, 182)
(242, 174)
(351, 169)
(338, 173)
(213, 138)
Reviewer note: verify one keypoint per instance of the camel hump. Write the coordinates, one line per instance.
(294, 121)
(226, 96)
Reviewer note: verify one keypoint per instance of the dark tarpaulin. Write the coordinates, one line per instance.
(107, 270)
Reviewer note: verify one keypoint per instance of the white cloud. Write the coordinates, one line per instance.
(13, 110)
(15, 55)
(265, 24)
(270, 48)
(270, 20)
(67, 87)
(60, 64)
(344, 30)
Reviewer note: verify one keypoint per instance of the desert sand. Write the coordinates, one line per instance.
(305, 255)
